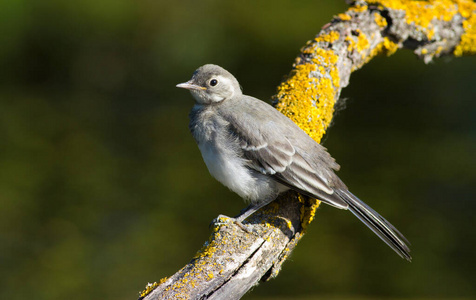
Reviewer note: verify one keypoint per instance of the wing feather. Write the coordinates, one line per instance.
(280, 159)
(273, 145)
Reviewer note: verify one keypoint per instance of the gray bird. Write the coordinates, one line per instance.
(258, 153)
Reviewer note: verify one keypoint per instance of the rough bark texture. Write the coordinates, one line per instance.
(234, 260)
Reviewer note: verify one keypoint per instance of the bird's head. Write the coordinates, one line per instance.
(212, 84)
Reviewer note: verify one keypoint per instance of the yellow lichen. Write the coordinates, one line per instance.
(329, 38)
(438, 50)
(210, 248)
(362, 42)
(151, 286)
(381, 21)
(422, 13)
(430, 33)
(203, 264)
(308, 213)
(309, 99)
(289, 224)
(386, 47)
(389, 47)
(208, 251)
(312, 45)
(358, 8)
(467, 45)
(308, 96)
(272, 208)
(351, 43)
(466, 8)
(344, 17)
(362, 45)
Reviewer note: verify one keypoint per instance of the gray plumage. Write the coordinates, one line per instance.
(257, 152)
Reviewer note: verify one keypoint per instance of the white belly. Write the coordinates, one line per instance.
(231, 171)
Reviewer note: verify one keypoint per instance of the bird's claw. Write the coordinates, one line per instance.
(225, 220)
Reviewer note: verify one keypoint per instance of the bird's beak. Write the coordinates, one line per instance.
(190, 86)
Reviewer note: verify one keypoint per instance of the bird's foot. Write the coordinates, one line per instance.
(224, 220)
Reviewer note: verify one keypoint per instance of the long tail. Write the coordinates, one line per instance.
(381, 227)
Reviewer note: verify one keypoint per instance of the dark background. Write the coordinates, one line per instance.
(102, 188)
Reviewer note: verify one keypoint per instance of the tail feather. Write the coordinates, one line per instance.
(381, 227)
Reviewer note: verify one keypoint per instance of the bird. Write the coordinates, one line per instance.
(259, 153)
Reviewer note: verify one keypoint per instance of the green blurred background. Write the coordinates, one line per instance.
(102, 188)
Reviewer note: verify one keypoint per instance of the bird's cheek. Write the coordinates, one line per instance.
(217, 97)
(198, 96)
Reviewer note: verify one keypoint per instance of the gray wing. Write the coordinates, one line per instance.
(275, 146)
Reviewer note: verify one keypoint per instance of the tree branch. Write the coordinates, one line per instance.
(234, 260)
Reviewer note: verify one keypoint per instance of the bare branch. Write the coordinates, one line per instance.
(234, 260)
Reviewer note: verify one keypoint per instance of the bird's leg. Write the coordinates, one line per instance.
(251, 209)
(219, 221)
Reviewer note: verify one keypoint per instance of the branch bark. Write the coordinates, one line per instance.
(234, 260)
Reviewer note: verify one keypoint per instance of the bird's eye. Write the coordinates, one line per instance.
(213, 82)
